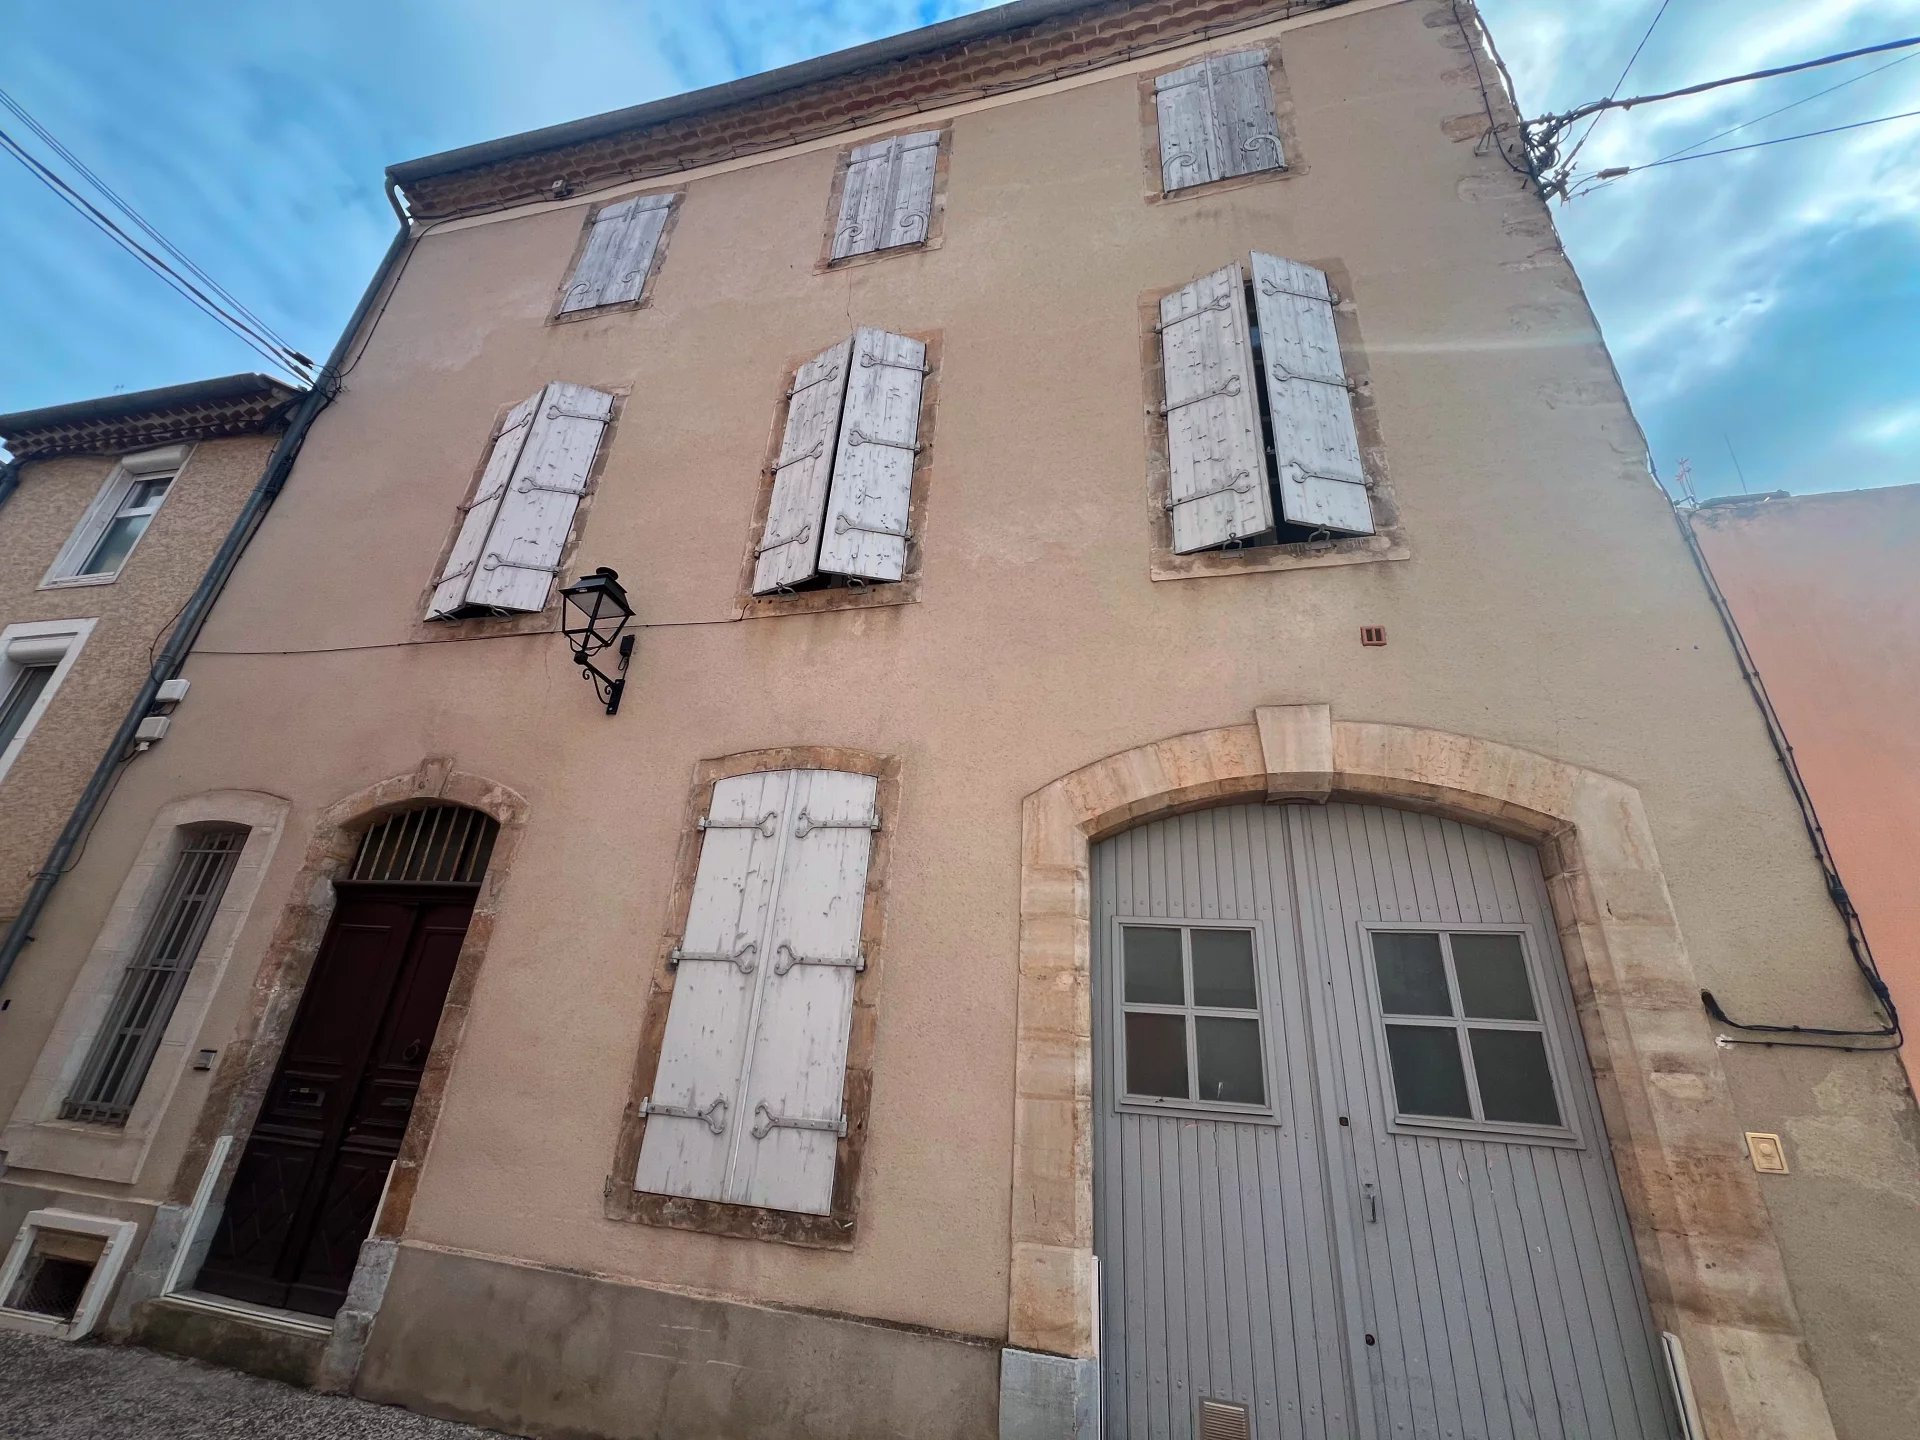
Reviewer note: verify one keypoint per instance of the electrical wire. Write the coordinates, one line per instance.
(53, 142)
(287, 361)
(1486, 96)
(1618, 173)
(1566, 166)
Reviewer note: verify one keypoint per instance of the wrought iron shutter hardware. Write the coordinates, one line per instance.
(1218, 303)
(868, 360)
(1300, 475)
(740, 959)
(1331, 298)
(785, 540)
(1229, 386)
(765, 824)
(554, 412)
(858, 437)
(806, 824)
(813, 454)
(832, 371)
(527, 485)
(770, 1120)
(713, 1116)
(1241, 483)
(841, 525)
(500, 562)
(1338, 382)
(856, 962)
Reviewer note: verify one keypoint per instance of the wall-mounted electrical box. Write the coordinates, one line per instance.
(172, 692)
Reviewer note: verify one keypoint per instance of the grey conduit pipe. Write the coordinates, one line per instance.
(193, 616)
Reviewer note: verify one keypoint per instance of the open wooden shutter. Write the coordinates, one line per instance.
(1217, 120)
(1217, 475)
(1246, 134)
(1322, 483)
(621, 243)
(790, 540)
(887, 199)
(867, 505)
(694, 1112)
(791, 1116)
(535, 514)
(450, 591)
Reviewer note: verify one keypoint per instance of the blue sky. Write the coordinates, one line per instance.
(1769, 299)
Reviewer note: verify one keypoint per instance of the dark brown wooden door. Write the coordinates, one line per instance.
(310, 1178)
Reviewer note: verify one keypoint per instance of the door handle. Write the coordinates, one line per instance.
(1370, 1202)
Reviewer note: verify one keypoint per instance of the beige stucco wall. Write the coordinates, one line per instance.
(1547, 604)
(38, 791)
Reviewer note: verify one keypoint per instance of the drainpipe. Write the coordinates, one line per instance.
(173, 655)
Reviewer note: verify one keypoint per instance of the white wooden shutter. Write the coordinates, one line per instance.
(790, 540)
(1217, 120)
(887, 199)
(622, 240)
(694, 1111)
(450, 591)
(1217, 471)
(1316, 449)
(791, 1116)
(536, 512)
(867, 504)
(1246, 134)
(1186, 127)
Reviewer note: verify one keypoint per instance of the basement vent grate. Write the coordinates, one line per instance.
(1220, 1420)
(54, 1278)
(429, 845)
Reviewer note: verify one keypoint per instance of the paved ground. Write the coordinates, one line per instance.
(50, 1390)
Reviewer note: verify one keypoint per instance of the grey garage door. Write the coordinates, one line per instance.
(1350, 1172)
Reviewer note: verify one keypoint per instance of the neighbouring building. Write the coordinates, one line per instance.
(1174, 798)
(1825, 595)
(117, 507)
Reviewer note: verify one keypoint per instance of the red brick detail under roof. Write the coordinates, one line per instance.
(1031, 54)
(257, 411)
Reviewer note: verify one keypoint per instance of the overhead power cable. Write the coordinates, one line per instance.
(277, 354)
(1544, 134)
(1567, 165)
(1619, 171)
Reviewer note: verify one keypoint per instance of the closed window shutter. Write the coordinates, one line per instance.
(621, 243)
(1217, 120)
(1316, 449)
(1217, 486)
(745, 1106)
(1246, 133)
(536, 511)
(887, 199)
(450, 591)
(694, 1111)
(790, 540)
(792, 1116)
(1186, 128)
(867, 505)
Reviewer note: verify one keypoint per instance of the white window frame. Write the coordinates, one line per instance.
(165, 463)
(1566, 1134)
(1262, 1013)
(75, 632)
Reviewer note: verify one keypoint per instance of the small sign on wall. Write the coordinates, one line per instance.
(1769, 1155)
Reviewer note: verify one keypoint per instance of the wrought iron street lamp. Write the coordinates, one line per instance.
(593, 617)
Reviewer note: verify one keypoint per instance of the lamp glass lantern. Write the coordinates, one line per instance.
(593, 617)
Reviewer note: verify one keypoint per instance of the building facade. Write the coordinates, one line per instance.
(1174, 795)
(1821, 589)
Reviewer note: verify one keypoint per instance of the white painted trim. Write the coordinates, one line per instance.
(128, 472)
(35, 1136)
(78, 630)
(1691, 1425)
(289, 1320)
(106, 1270)
(196, 1215)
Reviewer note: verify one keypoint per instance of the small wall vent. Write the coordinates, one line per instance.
(60, 1270)
(1221, 1420)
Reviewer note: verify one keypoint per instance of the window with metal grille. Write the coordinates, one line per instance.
(428, 845)
(150, 986)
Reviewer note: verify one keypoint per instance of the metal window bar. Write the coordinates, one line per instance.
(428, 845)
(150, 986)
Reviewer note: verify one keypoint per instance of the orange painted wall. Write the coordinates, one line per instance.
(1826, 590)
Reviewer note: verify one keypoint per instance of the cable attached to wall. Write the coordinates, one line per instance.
(1822, 1037)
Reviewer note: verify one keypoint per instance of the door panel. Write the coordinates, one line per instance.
(304, 1193)
(1461, 1285)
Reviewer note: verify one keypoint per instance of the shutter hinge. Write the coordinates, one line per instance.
(868, 360)
(554, 412)
(813, 454)
(1332, 297)
(466, 569)
(770, 1120)
(496, 562)
(479, 500)
(527, 485)
(858, 437)
(713, 1116)
(765, 824)
(832, 371)
(806, 824)
(1219, 302)
(740, 959)
(1229, 386)
(855, 962)
(1252, 142)
(1241, 483)
(1300, 475)
(841, 525)
(785, 540)
(1338, 382)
